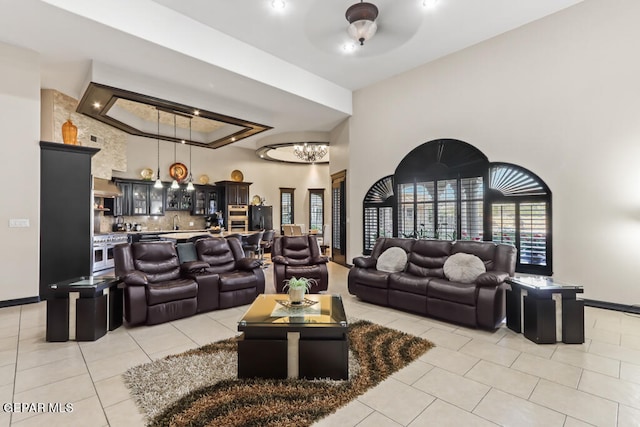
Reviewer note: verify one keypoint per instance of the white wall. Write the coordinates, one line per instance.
(20, 165)
(560, 97)
(266, 177)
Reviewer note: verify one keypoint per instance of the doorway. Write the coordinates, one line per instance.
(339, 218)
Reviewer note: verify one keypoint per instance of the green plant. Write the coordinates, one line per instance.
(299, 283)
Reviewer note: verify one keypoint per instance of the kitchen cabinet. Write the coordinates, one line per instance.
(138, 198)
(233, 198)
(147, 200)
(66, 212)
(234, 193)
(179, 199)
(205, 200)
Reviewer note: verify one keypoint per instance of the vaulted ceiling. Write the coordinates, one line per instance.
(286, 69)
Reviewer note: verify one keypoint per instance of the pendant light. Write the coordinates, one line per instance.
(174, 185)
(158, 183)
(190, 186)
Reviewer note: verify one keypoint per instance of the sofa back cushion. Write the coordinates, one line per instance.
(384, 243)
(427, 258)
(298, 250)
(486, 251)
(217, 253)
(157, 260)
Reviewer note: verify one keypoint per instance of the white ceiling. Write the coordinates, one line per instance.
(285, 69)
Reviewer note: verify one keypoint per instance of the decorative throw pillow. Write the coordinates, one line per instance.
(392, 260)
(463, 268)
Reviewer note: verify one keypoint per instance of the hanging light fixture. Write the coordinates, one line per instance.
(310, 152)
(362, 21)
(158, 183)
(174, 185)
(190, 186)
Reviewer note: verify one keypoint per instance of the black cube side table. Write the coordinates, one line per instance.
(91, 308)
(534, 314)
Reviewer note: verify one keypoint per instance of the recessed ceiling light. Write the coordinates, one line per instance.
(349, 47)
(96, 105)
(196, 112)
(430, 4)
(278, 4)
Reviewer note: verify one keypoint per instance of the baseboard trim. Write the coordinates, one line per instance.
(19, 301)
(635, 308)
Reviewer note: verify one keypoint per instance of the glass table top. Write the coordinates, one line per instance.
(275, 310)
(541, 283)
(84, 282)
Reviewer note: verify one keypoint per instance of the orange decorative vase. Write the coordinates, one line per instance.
(70, 133)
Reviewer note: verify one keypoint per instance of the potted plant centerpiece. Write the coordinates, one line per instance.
(297, 287)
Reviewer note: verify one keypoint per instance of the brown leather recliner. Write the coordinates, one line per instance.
(239, 280)
(299, 256)
(154, 291)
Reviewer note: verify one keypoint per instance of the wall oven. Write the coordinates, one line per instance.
(103, 245)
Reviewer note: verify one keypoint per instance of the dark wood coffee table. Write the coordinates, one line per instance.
(291, 342)
(532, 309)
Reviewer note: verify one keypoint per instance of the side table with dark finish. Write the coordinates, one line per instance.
(532, 310)
(95, 313)
(294, 342)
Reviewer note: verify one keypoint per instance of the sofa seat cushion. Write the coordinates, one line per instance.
(308, 271)
(171, 290)
(462, 293)
(236, 280)
(463, 267)
(408, 283)
(392, 260)
(372, 278)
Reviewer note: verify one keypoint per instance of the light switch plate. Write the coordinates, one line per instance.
(19, 222)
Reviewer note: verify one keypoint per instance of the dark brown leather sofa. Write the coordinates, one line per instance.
(299, 256)
(423, 288)
(158, 288)
(154, 290)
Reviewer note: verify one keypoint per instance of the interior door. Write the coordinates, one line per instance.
(339, 218)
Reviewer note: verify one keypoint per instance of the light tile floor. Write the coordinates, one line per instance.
(470, 378)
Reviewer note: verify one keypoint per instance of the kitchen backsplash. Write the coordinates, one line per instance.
(155, 223)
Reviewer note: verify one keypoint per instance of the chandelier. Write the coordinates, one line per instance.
(310, 152)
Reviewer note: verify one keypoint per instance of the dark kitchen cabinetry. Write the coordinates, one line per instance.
(66, 211)
(138, 198)
(205, 200)
(179, 199)
(147, 200)
(233, 192)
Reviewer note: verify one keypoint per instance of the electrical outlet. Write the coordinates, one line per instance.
(18, 222)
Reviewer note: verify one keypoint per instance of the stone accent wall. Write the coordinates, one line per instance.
(58, 108)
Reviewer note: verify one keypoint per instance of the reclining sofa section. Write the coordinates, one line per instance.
(422, 287)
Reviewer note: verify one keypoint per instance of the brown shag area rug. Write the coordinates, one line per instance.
(200, 388)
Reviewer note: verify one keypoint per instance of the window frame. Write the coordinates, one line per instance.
(316, 192)
(291, 192)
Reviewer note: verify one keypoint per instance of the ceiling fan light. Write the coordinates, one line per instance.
(362, 25)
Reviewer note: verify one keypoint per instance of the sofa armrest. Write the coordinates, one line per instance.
(192, 267)
(135, 278)
(247, 264)
(279, 259)
(319, 260)
(491, 278)
(364, 262)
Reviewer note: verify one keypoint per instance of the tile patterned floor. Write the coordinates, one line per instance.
(471, 377)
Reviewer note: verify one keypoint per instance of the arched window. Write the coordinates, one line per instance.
(520, 205)
(378, 212)
(447, 189)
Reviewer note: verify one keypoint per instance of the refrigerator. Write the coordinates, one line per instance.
(260, 217)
